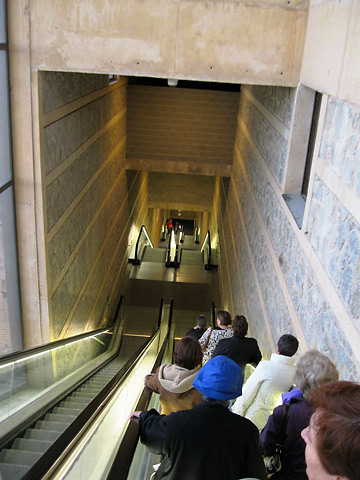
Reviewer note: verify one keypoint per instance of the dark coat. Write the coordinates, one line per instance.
(207, 442)
(195, 332)
(293, 451)
(240, 349)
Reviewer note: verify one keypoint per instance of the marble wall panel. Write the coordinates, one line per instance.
(278, 100)
(63, 137)
(272, 145)
(67, 186)
(335, 236)
(340, 143)
(60, 88)
(63, 243)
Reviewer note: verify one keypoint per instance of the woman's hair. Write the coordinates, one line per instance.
(337, 424)
(188, 353)
(201, 321)
(314, 369)
(224, 317)
(240, 326)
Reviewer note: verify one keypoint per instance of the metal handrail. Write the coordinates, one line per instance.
(124, 456)
(52, 455)
(31, 419)
(15, 356)
(207, 242)
(136, 260)
(213, 315)
(196, 235)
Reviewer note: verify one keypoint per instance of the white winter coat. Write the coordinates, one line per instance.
(262, 391)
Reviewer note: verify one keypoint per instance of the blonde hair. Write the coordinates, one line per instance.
(313, 370)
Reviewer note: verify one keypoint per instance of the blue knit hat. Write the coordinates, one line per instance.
(220, 378)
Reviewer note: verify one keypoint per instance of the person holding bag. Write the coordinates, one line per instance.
(281, 436)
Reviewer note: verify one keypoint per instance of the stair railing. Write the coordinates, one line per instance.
(197, 235)
(172, 255)
(206, 249)
(123, 459)
(143, 241)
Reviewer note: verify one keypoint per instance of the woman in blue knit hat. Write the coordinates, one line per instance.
(208, 441)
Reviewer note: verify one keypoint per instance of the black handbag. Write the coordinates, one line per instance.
(273, 463)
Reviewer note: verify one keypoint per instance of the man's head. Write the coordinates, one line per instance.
(220, 379)
(287, 345)
(201, 321)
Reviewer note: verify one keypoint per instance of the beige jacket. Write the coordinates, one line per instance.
(174, 384)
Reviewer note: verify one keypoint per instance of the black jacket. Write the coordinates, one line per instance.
(195, 332)
(293, 451)
(206, 442)
(240, 349)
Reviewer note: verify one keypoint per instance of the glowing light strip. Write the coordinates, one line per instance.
(50, 350)
(147, 236)
(203, 246)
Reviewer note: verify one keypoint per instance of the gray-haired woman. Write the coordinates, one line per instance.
(313, 370)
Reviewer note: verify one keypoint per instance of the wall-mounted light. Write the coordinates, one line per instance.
(172, 82)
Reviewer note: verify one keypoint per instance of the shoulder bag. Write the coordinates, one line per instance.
(273, 463)
(207, 340)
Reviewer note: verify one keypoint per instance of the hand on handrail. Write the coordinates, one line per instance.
(134, 415)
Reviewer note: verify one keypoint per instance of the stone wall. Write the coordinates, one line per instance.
(285, 279)
(181, 130)
(86, 197)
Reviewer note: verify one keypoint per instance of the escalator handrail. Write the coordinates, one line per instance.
(46, 461)
(8, 437)
(213, 314)
(13, 357)
(142, 229)
(124, 456)
(207, 240)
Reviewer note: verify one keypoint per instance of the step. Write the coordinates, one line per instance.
(67, 411)
(12, 472)
(31, 445)
(83, 395)
(54, 417)
(19, 457)
(52, 426)
(37, 434)
(73, 403)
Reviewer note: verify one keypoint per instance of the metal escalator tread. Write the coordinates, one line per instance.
(25, 451)
(12, 472)
(31, 445)
(37, 434)
(19, 457)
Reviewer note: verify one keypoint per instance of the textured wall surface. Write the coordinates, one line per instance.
(285, 288)
(86, 194)
(181, 192)
(181, 130)
(220, 40)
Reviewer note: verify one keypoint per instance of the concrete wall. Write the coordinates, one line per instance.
(181, 130)
(331, 62)
(260, 41)
(85, 197)
(285, 279)
(181, 192)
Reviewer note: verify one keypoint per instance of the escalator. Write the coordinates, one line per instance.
(71, 396)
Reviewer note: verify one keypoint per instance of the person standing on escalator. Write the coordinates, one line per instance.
(174, 382)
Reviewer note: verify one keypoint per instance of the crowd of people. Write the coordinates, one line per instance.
(295, 419)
